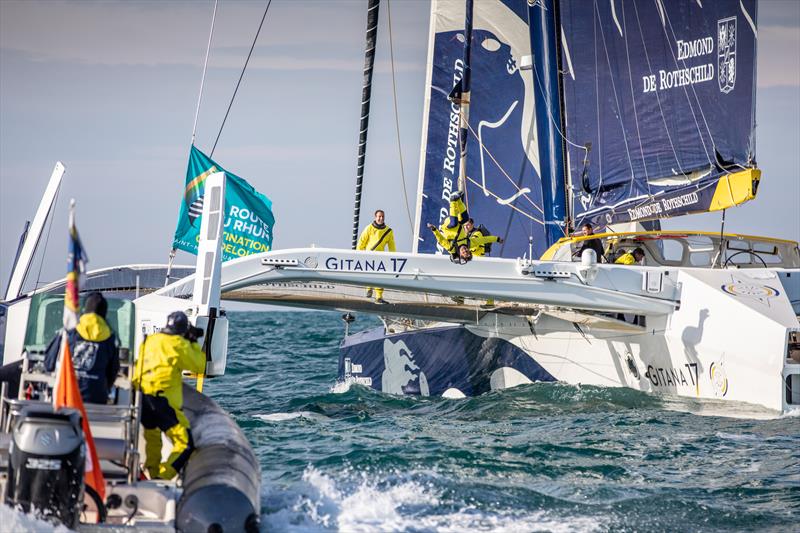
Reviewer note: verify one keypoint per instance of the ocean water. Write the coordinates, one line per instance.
(540, 457)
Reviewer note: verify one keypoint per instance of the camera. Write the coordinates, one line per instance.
(194, 333)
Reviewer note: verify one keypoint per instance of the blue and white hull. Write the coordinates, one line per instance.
(447, 361)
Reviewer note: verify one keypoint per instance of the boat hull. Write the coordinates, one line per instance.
(728, 341)
(447, 360)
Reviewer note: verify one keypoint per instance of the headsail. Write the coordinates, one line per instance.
(504, 190)
(659, 107)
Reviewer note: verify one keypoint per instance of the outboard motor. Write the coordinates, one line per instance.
(46, 464)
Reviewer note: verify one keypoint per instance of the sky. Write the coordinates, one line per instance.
(110, 89)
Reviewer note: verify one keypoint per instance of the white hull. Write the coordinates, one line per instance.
(722, 334)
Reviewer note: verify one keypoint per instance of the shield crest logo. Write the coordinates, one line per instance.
(726, 54)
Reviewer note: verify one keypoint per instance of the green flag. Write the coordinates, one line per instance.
(248, 213)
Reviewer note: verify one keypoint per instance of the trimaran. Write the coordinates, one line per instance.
(618, 114)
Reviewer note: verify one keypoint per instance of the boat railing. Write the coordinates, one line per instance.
(687, 249)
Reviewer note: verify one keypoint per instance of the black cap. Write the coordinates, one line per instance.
(177, 323)
(95, 303)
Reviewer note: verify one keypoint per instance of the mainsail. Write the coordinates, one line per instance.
(504, 189)
(659, 101)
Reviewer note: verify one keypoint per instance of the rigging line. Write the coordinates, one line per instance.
(593, 197)
(205, 68)
(483, 148)
(633, 99)
(688, 100)
(397, 115)
(616, 100)
(244, 68)
(556, 124)
(658, 98)
(515, 208)
(47, 237)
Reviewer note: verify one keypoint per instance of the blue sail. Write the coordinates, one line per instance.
(504, 189)
(659, 100)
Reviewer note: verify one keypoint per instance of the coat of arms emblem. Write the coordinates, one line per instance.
(726, 54)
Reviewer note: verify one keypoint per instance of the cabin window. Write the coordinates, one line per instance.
(738, 245)
(671, 249)
(700, 259)
(768, 252)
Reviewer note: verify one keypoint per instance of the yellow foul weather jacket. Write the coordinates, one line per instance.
(162, 358)
(478, 242)
(376, 238)
(626, 259)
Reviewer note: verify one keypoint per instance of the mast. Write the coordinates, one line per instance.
(547, 90)
(366, 92)
(461, 95)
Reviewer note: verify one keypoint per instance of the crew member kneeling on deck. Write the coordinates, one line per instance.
(162, 358)
(630, 258)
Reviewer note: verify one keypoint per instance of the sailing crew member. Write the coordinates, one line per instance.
(477, 240)
(591, 244)
(377, 236)
(451, 234)
(162, 358)
(630, 258)
(95, 351)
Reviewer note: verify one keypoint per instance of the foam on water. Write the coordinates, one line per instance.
(391, 501)
(282, 417)
(12, 521)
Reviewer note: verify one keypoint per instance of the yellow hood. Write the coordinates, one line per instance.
(92, 327)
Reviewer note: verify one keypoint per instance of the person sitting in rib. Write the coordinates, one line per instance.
(452, 234)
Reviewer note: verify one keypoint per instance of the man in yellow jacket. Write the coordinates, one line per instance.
(162, 358)
(477, 240)
(377, 236)
(630, 258)
(454, 233)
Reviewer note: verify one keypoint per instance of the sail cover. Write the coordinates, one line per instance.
(661, 94)
(504, 191)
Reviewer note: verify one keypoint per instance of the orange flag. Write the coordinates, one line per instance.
(67, 394)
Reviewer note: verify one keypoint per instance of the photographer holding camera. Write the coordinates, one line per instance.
(162, 358)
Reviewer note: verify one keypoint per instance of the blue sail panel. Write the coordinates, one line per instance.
(504, 190)
(659, 103)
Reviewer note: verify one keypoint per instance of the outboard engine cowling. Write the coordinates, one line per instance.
(46, 464)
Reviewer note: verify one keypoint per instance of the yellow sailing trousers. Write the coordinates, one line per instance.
(161, 414)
